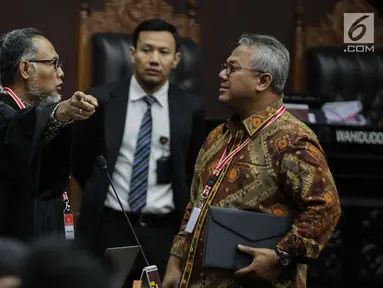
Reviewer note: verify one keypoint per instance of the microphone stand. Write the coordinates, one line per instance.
(150, 271)
(127, 218)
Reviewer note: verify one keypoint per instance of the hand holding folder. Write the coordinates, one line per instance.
(264, 267)
(227, 228)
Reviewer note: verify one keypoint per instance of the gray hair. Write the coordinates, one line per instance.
(15, 46)
(271, 56)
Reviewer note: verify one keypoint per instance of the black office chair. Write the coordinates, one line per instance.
(111, 61)
(339, 76)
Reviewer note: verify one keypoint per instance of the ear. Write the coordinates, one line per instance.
(177, 59)
(25, 69)
(264, 82)
(132, 54)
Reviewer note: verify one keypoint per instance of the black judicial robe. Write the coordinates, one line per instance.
(29, 168)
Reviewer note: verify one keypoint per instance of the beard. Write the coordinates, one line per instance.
(39, 98)
(45, 99)
(150, 84)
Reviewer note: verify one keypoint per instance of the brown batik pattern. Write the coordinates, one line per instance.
(282, 171)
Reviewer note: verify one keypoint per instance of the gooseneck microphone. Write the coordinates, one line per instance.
(101, 162)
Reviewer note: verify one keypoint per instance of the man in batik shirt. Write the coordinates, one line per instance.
(282, 170)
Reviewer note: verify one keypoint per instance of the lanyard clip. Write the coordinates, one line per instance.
(67, 208)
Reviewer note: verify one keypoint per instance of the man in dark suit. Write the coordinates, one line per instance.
(150, 133)
(34, 130)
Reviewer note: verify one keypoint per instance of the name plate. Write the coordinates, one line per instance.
(359, 137)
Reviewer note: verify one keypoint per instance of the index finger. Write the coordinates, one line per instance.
(79, 95)
(246, 249)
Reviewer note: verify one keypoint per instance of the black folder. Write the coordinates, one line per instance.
(226, 228)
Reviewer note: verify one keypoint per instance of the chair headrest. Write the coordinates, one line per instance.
(343, 76)
(111, 61)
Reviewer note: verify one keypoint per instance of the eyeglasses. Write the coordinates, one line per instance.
(231, 68)
(55, 62)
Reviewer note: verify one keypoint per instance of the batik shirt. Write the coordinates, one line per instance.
(282, 171)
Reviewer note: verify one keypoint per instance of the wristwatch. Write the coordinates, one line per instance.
(284, 258)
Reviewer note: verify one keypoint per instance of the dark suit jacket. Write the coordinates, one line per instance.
(102, 134)
(29, 169)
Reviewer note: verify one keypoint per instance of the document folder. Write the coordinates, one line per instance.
(226, 228)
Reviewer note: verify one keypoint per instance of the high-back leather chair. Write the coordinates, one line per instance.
(111, 61)
(335, 75)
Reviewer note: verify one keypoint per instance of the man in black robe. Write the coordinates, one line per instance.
(34, 130)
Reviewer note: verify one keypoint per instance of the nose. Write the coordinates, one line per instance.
(60, 72)
(155, 58)
(223, 75)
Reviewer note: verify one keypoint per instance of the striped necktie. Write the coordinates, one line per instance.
(139, 179)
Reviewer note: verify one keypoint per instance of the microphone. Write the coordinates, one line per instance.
(101, 162)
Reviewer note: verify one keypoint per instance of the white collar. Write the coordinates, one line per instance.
(139, 93)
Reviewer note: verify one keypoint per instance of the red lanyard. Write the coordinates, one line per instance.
(226, 158)
(14, 97)
(65, 197)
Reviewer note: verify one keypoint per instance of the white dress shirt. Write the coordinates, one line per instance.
(159, 196)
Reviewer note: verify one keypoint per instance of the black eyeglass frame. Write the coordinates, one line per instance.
(56, 63)
(229, 68)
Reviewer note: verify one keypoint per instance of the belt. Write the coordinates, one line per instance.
(143, 219)
(148, 219)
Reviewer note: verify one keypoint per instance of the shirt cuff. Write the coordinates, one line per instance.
(301, 255)
(53, 127)
(178, 247)
(52, 117)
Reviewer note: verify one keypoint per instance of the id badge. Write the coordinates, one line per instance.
(68, 225)
(192, 220)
